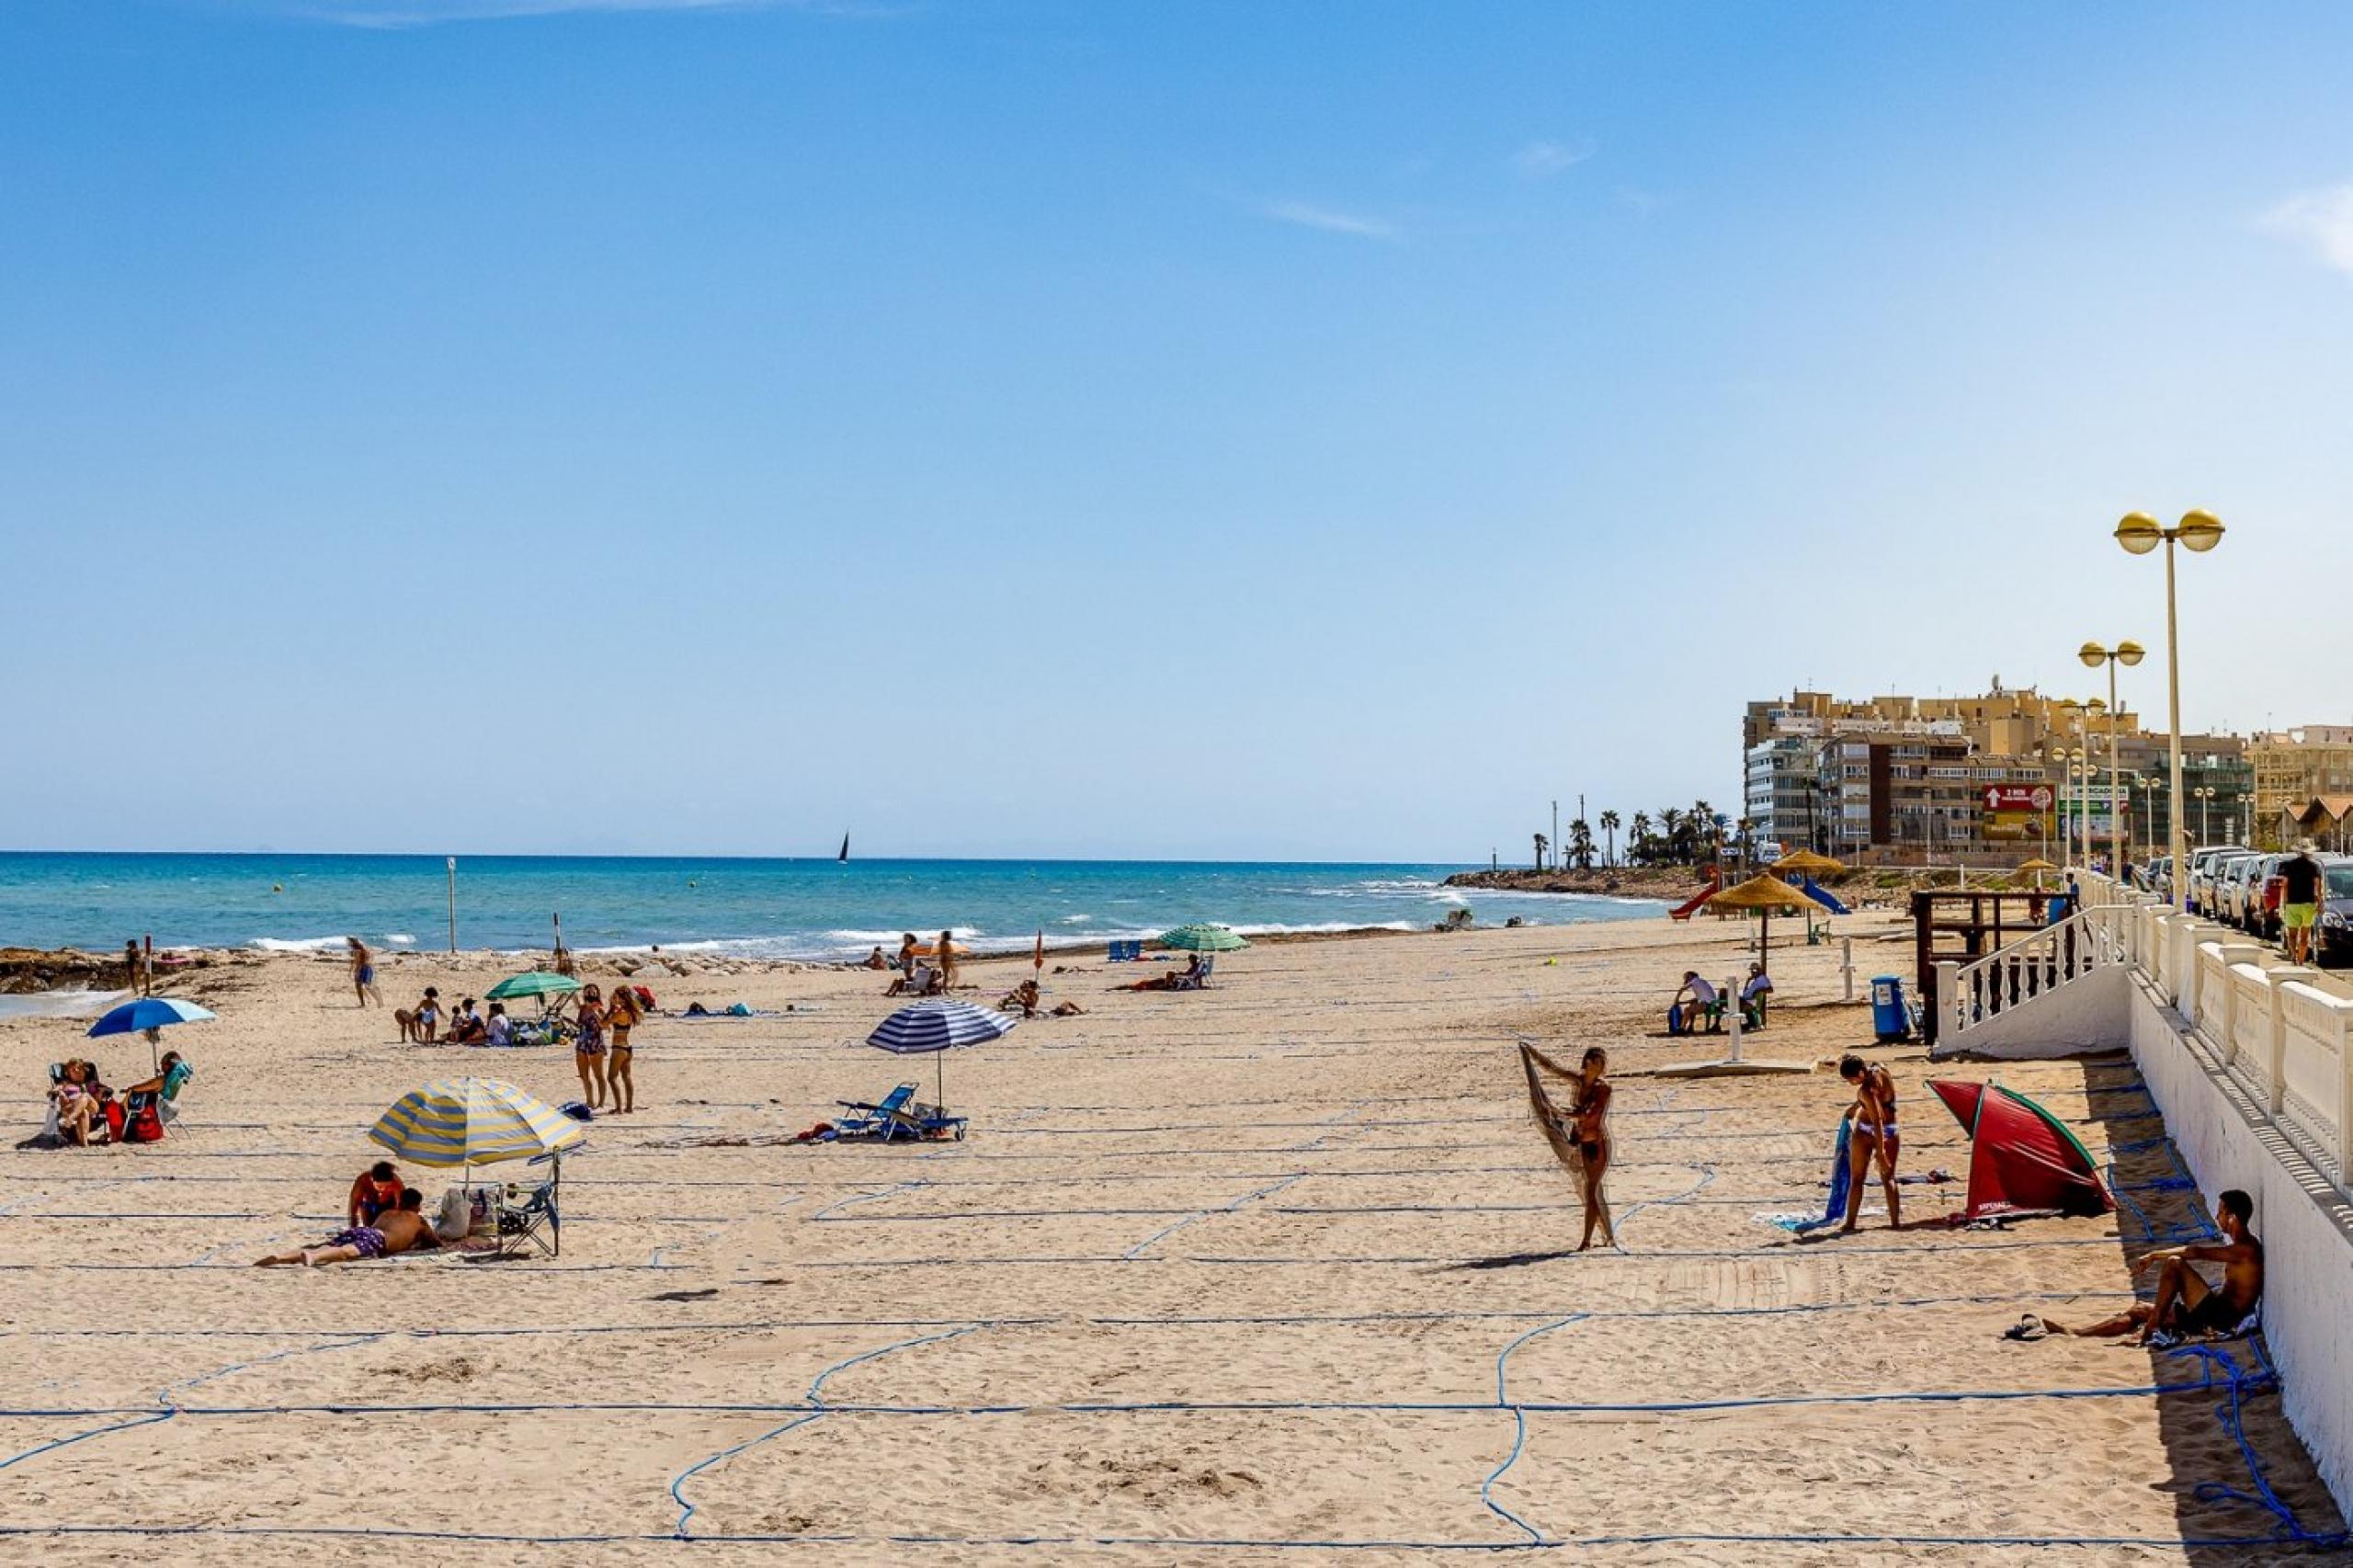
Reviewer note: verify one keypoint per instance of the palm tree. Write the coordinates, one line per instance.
(1638, 838)
(1581, 844)
(1672, 828)
(1542, 843)
(1705, 831)
(1610, 835)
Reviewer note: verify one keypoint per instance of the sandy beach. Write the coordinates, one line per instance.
(1215, 1278)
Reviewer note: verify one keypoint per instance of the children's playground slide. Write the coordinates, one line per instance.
(1683, 911)
(1823, 896)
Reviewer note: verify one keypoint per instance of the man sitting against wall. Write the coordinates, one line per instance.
(2187, 1307)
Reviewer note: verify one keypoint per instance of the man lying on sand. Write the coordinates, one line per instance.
(1172, 981)
(396, 1231)
(2185, 1305)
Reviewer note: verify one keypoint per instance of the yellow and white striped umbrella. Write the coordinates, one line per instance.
(473, 1122)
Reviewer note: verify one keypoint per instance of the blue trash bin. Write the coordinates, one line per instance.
(1890, 1020)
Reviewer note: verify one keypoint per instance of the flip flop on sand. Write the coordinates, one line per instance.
(2027, 1327)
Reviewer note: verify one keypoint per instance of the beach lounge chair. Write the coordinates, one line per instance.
(528, 1216)
(1127, 952)
(897, 1116)
(1198, 982)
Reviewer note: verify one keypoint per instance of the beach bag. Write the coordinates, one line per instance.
(142, 1121)
(1675, 1020)
(112, 1109)
(454, 1219)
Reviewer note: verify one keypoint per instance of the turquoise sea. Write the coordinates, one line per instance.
(806, 909)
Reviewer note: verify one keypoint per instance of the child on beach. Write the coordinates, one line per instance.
(377, 1191)
(1872, 1135)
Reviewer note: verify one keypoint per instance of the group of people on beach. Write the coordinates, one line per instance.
(915, 976)
(421, 1025)
(383, 1217)
(2186, 1304)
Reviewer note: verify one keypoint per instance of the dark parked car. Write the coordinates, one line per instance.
(2334, 945)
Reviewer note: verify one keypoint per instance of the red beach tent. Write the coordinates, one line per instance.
(2022, 1159)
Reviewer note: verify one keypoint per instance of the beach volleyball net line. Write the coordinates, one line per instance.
(2228, 1375)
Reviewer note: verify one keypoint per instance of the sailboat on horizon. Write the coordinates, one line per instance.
(843, 857)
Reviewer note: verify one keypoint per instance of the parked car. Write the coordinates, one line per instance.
(2214, 893)
(2332, 943)
(2246, 888)
(2263, 898)
(2201, 871)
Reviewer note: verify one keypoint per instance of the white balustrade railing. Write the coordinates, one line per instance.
(2032, 966)
(2285, 1033)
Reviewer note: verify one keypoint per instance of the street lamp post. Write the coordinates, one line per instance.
(2140, 533)
(2202, 794)
(2128, 654)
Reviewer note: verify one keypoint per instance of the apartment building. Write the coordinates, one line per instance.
(2292, 768)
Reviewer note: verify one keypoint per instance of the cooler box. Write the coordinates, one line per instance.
(1890, 1019)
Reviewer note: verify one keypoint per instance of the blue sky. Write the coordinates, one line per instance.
(1064, 428)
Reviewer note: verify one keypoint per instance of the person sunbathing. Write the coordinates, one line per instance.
(399, 1230)
(1186, 979)
(1024, 997)
(78, 1096)
(2187, 1306)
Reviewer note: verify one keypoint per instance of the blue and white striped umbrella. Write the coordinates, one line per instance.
(924, 1026)
(937, 1027)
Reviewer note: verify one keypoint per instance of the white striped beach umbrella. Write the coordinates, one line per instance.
(473, 1122)
(939, 1026)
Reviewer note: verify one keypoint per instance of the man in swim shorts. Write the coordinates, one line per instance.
(2185, 1305)
(395, 1232)
(2301, 880)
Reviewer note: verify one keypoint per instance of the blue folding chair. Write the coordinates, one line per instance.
(531, 1216)
(1127, 952)
(897, 1115)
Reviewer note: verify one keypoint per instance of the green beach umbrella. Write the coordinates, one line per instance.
(532, 983)
(1203, 939)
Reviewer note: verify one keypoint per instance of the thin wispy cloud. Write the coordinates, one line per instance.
(430, 13)
(2320, 220)
(1331, 221)
(1542, 160)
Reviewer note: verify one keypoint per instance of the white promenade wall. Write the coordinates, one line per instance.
(2227, 1139)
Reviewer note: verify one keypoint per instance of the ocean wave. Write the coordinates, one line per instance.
(298, 944)
(399, 939)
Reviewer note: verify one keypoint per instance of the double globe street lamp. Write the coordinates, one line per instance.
(2140, 533)
(2128, 654)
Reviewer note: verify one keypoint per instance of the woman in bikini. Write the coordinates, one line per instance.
(619, 1018)
(1871, 1134)
(588, 1045)
(1590, 1119)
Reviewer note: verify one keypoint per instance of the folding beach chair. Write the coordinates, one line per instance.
(874, 1119)
(898, 1115)
(530, 1216)
(1199, 982)
(1127, 952)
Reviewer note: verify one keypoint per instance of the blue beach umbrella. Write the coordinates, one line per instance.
(938, 1027)
(148, 1013)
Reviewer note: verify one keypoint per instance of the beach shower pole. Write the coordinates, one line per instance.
(453, 903)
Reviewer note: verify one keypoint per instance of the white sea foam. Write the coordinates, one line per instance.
(59, 1004)
(297, 944)
(399, 939)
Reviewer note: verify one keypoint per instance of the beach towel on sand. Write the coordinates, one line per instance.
(1834, 1211)
(1559, 1125)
